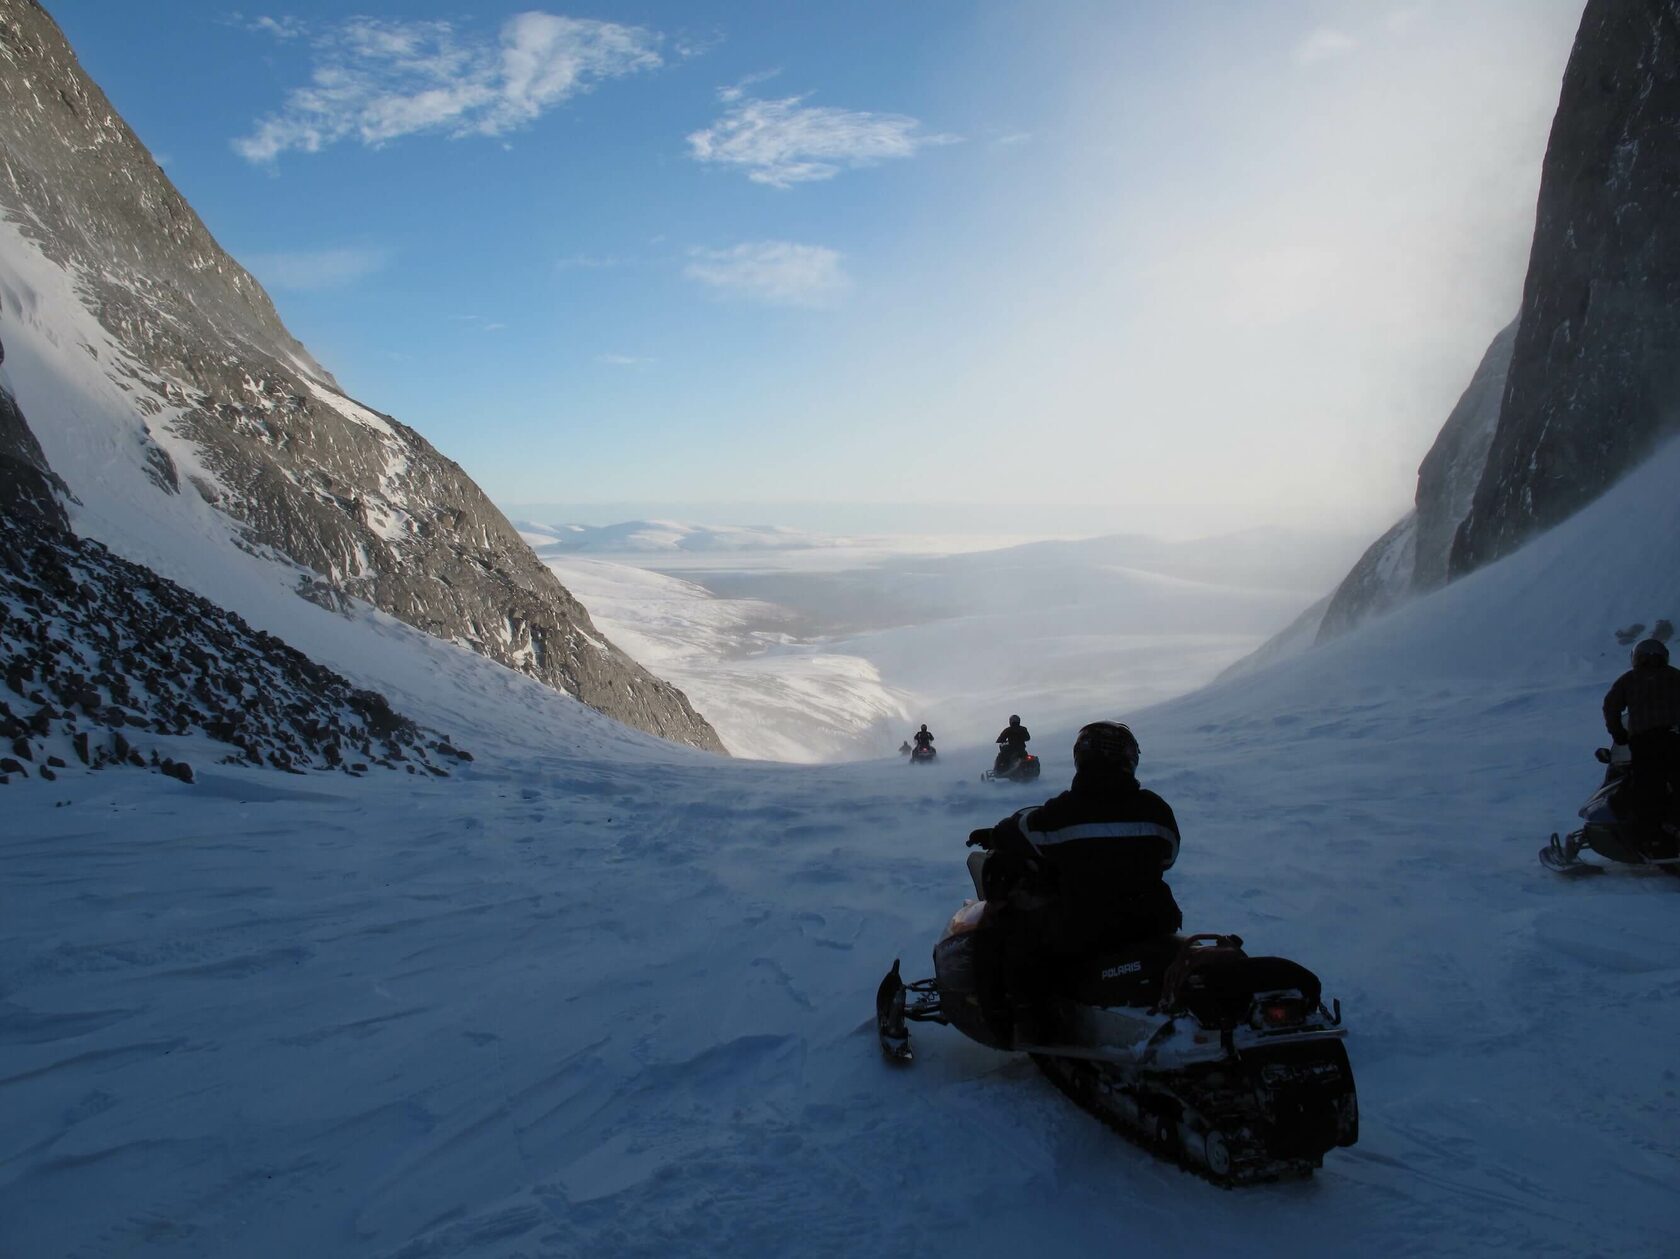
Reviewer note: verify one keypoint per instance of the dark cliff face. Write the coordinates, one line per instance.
(1595, 374)
(361, 500)
(1451, 471)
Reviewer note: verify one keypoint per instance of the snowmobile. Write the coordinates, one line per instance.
(1627, 842)
(1023, 770)
(924, 755)
(1227, 1064)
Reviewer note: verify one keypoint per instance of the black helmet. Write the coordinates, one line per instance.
(1014, 720)
(1106, 745)
(1650, 654)
(924, 728)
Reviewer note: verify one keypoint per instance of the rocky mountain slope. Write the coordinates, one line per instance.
(361, 504)
(1585, 383)
(1595, 372)
(98, 654)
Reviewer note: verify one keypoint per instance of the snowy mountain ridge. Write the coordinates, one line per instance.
(110, 285)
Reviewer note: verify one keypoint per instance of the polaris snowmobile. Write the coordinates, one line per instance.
(924, 755)
(1023, 770)
(1227, 1064)
(1625, 841)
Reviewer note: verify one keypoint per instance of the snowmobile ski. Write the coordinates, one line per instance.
(889, 1018)
(1562, 856)
(1625, 842)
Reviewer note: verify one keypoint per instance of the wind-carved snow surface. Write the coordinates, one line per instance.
(601, 995)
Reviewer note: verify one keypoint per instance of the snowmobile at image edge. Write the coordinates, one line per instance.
(1023, 770)
(1625, 842)
(1227, 1064)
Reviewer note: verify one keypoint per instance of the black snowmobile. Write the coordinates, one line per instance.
(1230, 1065)
(1024, 769)
(924, 755)
(1625, 841)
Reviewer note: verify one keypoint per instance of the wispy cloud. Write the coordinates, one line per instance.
(738, 89)
(375, 81)
(774, 272)
(687, 45)
(310, 271)
(479, 322)
(785, 142)
(1323, 44)
(623, 360)
(280, 27)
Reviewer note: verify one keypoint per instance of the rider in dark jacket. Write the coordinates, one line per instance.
(922, 738)
(1086, 867)
(1649, 695)
(1012, 746)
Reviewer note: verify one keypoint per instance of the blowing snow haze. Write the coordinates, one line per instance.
(1295, 382)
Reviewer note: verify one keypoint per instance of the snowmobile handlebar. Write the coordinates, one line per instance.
(980, 837)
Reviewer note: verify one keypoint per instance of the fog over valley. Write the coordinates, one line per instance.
(800, 646)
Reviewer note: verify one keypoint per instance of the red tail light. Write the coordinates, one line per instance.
(1278, 1013)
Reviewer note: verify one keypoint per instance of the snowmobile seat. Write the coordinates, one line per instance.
(1126, 976)
(1222, 994)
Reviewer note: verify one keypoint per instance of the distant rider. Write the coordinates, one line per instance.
(923, 740)
(904, 748)
(1084, 869)
(1012, 746)
(1649, 693)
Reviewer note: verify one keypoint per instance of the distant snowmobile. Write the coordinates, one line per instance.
(1227, 1064)
(924, 755)
(1024, 770)
(1626, 842)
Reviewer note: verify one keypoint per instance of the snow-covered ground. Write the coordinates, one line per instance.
(771, 693)
(805, 648)
(598, 995)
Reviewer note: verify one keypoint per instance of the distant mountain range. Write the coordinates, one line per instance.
(643, 537)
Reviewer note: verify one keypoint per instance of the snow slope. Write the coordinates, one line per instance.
(603, 997)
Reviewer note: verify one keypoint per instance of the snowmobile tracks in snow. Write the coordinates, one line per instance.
(1212, 1131)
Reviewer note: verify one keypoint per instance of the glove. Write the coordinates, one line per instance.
(980, 838)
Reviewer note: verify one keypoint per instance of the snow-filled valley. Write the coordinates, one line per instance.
(600, 995)
(802, 648)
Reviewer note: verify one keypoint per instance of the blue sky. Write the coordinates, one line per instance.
(1149, 262)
